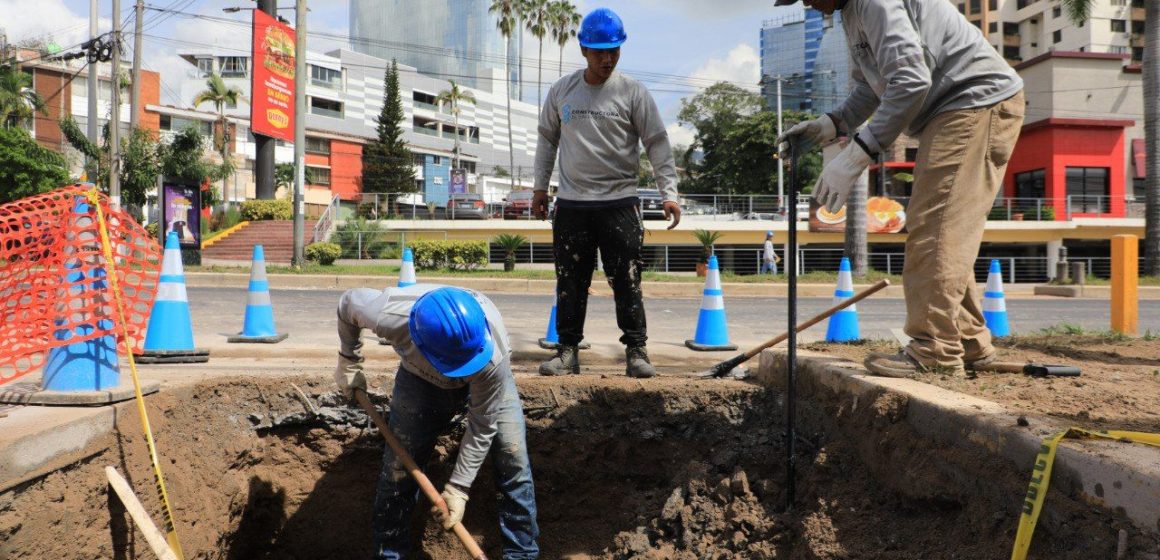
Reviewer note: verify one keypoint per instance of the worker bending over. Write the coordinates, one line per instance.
(455, 357)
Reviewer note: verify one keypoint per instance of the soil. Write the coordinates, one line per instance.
(624, 469)
(1118, 389)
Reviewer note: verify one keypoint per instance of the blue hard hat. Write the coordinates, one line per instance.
(769, 233)
(450, 329)
(601, 29)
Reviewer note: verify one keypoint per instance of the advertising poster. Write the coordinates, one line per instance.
(181, 213)
(883, 215)
(458, 181)
(272, 75)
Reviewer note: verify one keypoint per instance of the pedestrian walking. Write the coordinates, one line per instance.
(769, 258)
(920, 65)
(455, 358)
(597, 119)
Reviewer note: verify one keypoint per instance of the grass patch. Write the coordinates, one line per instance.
(1076, 334)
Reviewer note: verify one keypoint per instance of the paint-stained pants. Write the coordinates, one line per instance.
(421, 411)
(962, 156)
(619, 234)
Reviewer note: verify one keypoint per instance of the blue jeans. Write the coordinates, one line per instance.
(770, 267)
(421, 411)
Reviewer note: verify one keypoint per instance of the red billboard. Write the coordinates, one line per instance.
(272, 88)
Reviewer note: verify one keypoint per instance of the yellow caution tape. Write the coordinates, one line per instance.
(1041, 477)
(170, 528)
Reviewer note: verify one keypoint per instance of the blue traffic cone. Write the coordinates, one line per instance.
(843, 326)
(259, 321)
(712, 330)
(551, 339)
(169, 338)
(90, 365)
(994, 304)
(407, 271)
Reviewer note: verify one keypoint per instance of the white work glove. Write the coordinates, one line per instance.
(838, 177)
(348, 375)
(816, 132)
(456, 505)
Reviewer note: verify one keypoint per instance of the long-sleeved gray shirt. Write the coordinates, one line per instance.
(598, 131)
(387, 313)
(914, 59)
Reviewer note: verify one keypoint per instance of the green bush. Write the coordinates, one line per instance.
(323, 253)
(367, 236)
(254, 210)
(226, 219)
(153, 229)
(442, 253)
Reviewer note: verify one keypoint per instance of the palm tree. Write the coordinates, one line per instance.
(539, 20)
(506, 12)
(1078, 12)
(454, 97)
(565, 22)
(18, 100)
(217, 92)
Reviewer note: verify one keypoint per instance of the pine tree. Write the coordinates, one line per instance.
(387, 162)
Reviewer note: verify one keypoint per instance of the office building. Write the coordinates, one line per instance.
(808, 51)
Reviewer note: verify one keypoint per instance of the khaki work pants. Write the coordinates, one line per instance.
(961, 160)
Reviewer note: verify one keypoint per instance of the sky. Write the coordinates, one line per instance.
(691, 43)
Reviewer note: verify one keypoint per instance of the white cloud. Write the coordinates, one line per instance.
(742, 66)
(679, 135)
(50, 21)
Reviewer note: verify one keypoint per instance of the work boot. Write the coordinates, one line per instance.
(902, 364)
(980, 363)
(567, 361)
(637, 363)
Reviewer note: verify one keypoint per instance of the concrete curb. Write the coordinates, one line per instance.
(1115, 476)
(545, 287)
(29, 450)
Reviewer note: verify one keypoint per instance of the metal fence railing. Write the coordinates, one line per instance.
(723, 207)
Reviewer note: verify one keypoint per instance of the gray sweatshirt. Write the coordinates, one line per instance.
(598, 131)
(914, 59)
(387, 313)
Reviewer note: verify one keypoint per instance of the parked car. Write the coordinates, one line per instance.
(651, 204)
(518, 205)
(467, 206)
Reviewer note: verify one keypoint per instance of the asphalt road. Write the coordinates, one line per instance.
(309, 315)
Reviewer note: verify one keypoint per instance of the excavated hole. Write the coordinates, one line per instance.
(665, 468)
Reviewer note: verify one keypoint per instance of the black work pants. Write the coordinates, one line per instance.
(619, 234)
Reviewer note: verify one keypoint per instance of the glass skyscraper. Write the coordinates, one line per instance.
(450, 39)
(809, 52)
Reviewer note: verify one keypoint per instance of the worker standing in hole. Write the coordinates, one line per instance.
(455, 357)
(920, 65)
(598, 119)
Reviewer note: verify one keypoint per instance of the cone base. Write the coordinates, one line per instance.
(195, 356)
(272, 339)
(30, 393)
(997, 323)
(554, 344)
(694, 345)
(843, 327)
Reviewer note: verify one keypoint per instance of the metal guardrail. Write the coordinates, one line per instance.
(326, 221)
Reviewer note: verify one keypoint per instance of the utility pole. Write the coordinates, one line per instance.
(115, 113)
(299, 131)
(135, 93)
(264, 145)
(94, 128)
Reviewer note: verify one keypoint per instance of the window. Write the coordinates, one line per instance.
(912, 154)
(178, 124)
(317, 145)
(233, 66)
(424, 101)
(1011, 53)
(1088, 189)
(1119, 25)
(1030, 184)
(1137, 26)
(1020, 4)
(436, 160)
(424, 126)
(325, 77)
(326, 107)
(1056, 12)
(976, 6)
(1119, 2)
(205, 66)
(418, 159)
(978, 23)
(318, 175)
(993, 5)
(468, 166)
(1137, 54)
(1118, 50)
(993, 27)
(1010, 28)
(962, 8)
(1057, 36)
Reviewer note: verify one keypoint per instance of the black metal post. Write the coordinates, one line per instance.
(791, 312)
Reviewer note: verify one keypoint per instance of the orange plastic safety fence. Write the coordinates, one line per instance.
(53, 287)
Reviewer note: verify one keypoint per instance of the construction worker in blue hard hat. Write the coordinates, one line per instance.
(597, 119)
(769, 258)
(920, 66)
(455, 357)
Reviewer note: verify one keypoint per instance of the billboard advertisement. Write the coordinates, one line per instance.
(181, 213)
(272, 75)
(458, 181)
(883, 215)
